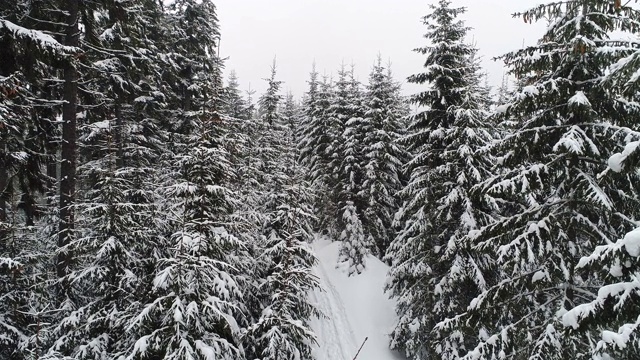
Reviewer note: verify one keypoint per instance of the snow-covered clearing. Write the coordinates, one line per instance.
(356, 307)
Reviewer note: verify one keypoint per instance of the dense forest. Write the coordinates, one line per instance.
(150, 208)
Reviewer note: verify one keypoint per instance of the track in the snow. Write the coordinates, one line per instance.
(335, 334)
(354, 307)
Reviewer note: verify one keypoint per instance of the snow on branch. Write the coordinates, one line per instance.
(616, 161)
(41, 39)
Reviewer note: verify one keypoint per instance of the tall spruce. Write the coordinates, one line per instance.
(433, 274)
(383, 156)
(614, 311)
(27, 56)
(281, 329)
(316, 135)
(558, 205)
(347, 119)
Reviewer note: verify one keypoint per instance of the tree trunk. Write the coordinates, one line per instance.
(51, 132)
(4, 178)
(68, 161)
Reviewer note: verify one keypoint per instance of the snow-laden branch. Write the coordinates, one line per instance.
(41, 39)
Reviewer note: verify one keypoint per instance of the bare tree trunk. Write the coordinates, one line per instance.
(69, 149)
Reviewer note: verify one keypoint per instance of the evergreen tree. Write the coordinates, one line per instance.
(383, 157)
(291, 116)
(14, 284)
(270, 101)
(557, 205)
(355, 244)
(27, 131)
(119, 139)
(235, 105)
(344, 149)
(193, 305)
(614, 310)
(347, 113)
(316, 136)
(196, 298)
(434, 275)
(282, 330)
(108, 247)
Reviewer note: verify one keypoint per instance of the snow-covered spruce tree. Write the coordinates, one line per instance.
(267, 146)
(26, 60)
(282, 330)
(433, 274)
(111, 234)
(383, 157)
(561, 204)
(306, 132)
(615, 310)
(316, 134)
(119, 140)
(14, 285)
(355, 243)
(191, 66)
(343, 169)
(270, 100)
(291, 116)
(346, 116)
(261, 174)
(234, 104)
(194, 306)
(263, 148)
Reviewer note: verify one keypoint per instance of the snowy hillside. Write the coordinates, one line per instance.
(356, 307)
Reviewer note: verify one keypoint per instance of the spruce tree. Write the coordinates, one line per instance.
(193, 305)
(282, 330)
(28, 56)
(316, 135)
(557, 206)
(291, 116)
(383, 156)
(433, 274)
(195, 302)
(614, 311)
(281, 327)
(110, 239)
(234, 104)
(347, 114)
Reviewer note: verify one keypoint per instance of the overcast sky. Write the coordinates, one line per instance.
(298, 32)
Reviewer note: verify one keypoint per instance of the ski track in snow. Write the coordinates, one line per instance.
(355, 307)
(331, 331)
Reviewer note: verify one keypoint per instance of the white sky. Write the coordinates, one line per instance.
(298, 32)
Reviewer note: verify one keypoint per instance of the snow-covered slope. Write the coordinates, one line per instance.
(356, 307)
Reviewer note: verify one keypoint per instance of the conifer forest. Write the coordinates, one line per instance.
(152, 208)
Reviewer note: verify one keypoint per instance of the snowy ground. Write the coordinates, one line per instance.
(356, 307)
